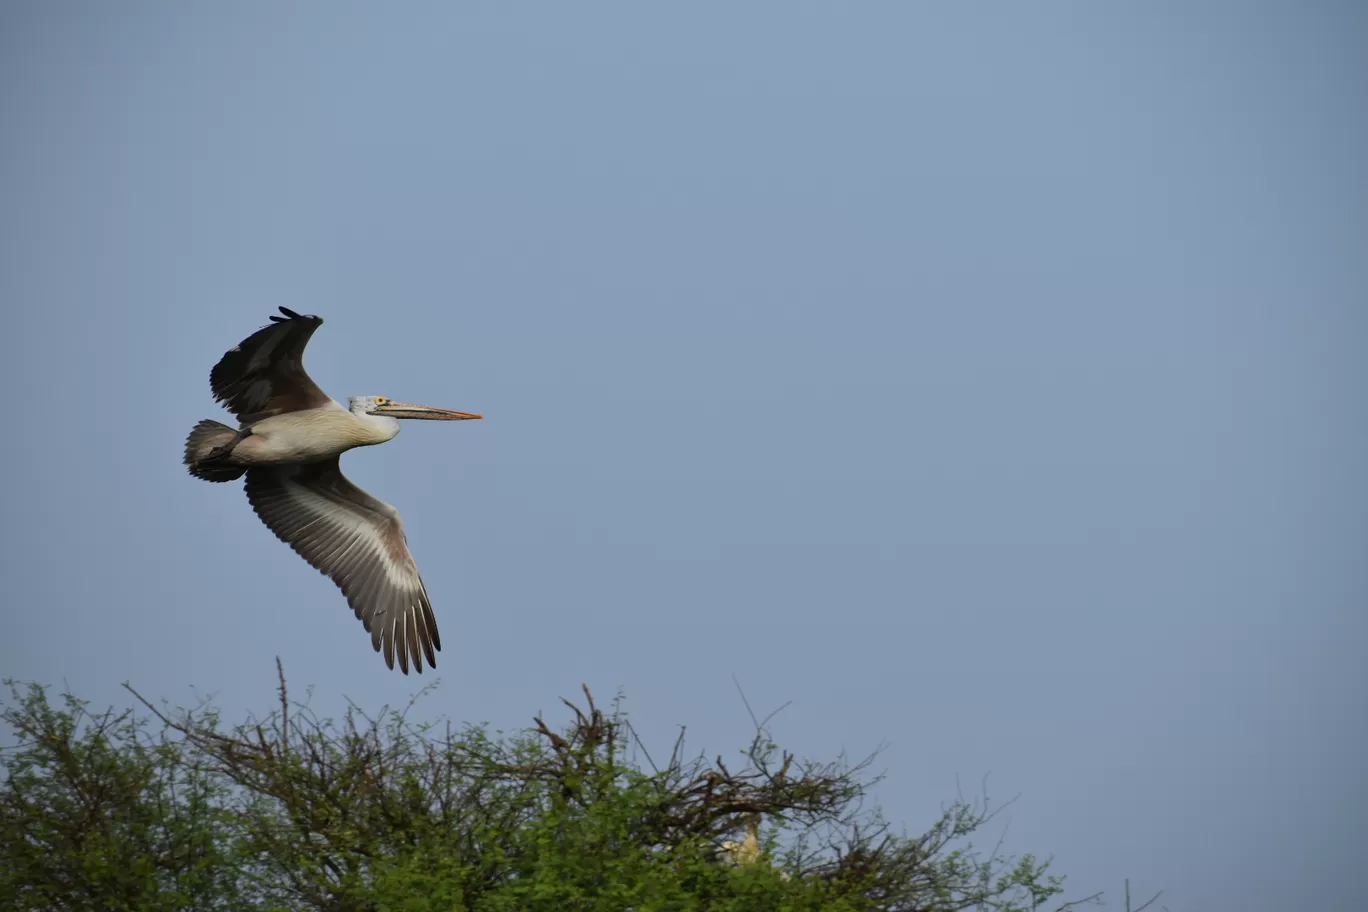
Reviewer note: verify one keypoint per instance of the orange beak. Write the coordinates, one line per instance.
(425, 412)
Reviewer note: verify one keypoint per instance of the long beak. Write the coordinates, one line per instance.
(426, 412)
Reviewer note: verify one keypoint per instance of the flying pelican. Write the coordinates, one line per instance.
(288, 444)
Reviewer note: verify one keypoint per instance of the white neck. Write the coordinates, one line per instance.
(378, 427)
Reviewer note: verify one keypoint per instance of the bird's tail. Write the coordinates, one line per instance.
(203, 439)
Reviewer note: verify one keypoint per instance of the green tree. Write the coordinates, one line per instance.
(159, 809)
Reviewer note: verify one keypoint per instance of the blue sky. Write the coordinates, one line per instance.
(986, 381)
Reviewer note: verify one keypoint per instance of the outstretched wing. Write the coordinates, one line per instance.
(264, 374)
(358, 542)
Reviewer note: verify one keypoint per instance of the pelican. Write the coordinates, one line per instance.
(288, 443)
(747, 851)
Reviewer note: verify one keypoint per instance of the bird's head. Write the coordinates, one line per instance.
(380, 405)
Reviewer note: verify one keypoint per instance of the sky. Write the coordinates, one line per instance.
(979, 378)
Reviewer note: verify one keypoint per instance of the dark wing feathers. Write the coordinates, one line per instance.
(264, 374)
(358, 542)
(289, 315)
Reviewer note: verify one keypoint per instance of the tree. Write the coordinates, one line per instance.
(151, 808)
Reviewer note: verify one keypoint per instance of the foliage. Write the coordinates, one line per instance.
(160, 809)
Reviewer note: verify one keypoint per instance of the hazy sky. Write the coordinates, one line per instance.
(984, 379)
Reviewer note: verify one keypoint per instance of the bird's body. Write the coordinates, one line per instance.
(288, 442)
(311, 435)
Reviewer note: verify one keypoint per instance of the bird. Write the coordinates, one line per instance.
(289, 441)
(747, 851)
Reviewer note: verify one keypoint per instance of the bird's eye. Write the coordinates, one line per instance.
(381, 400)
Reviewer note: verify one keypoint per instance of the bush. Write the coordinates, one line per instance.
(155, 809)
